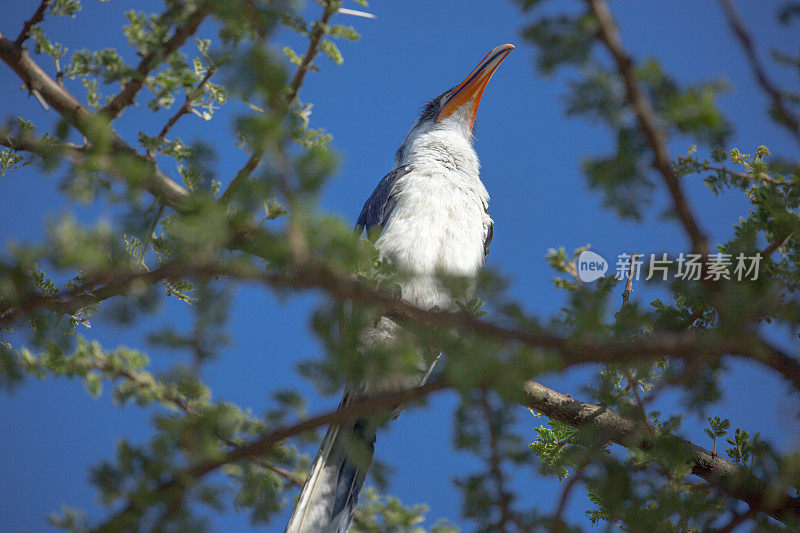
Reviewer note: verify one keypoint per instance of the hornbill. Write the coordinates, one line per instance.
(432, 210)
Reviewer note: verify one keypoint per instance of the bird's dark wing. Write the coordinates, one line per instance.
(487, 240)
(379, 205)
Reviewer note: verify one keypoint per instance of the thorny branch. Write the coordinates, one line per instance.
(633, 385)
(177, 400)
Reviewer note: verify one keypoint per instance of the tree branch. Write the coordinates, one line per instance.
(558, 525)
(718, 472)
(79, 116)
(124, 98)
(36, 79)
(259, 446)
(42, 149)
(37, 17)
(186, 108)
(761, 176)
(782, 113)
(100, 288)
(774, 245)
(691, 346)
(320, 27)
(495, 467)
(626, 294)
(179, 402)
(609, 35)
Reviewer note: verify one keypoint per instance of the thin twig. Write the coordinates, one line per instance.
(558, 520)
(626, 294)
(285, 474)
(320, 28)
(783, 114)
(774, 245)
(697, 313)
(633, 385)
(124, 98)
(37, 17)
(495, 466)
(186, 108)
(760, 176)
(148, 236)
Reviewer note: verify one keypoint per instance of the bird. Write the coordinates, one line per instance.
(432, 212)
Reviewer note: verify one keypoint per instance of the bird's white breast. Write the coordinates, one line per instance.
(438, 224)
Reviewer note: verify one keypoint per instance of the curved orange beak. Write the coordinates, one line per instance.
(471, 89)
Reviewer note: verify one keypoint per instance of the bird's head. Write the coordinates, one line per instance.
(450, 117)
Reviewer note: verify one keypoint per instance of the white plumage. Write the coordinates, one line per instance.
(439, 222)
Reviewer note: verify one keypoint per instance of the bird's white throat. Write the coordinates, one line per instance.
(447, 144)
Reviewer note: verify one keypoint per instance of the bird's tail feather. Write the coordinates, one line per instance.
(330, 493)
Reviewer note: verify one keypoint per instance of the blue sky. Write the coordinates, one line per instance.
(530, 154)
